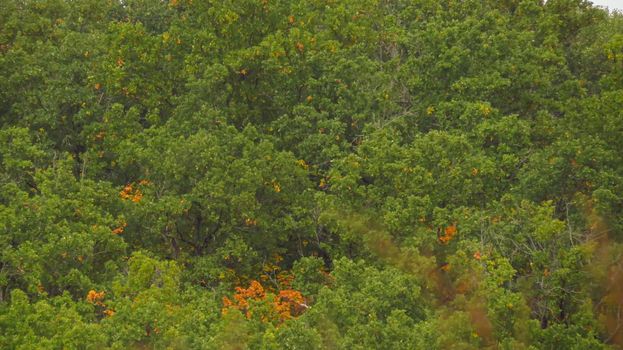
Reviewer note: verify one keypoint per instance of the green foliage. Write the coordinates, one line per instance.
(254, 174)
(57, 323)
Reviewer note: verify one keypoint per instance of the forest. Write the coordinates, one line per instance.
(295, 174)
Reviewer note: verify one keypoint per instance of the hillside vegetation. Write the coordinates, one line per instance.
(295, 174)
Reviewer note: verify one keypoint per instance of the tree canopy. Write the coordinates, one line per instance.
(272, 174)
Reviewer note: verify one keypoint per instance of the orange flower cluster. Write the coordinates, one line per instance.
(131, 193)
(96, 298)
(243, 295)
(119, 230)
(289, 303)
(109, 312)
(449, 233)
(285, 305)
(273, 270)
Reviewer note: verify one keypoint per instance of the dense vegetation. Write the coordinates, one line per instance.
(291, 174)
